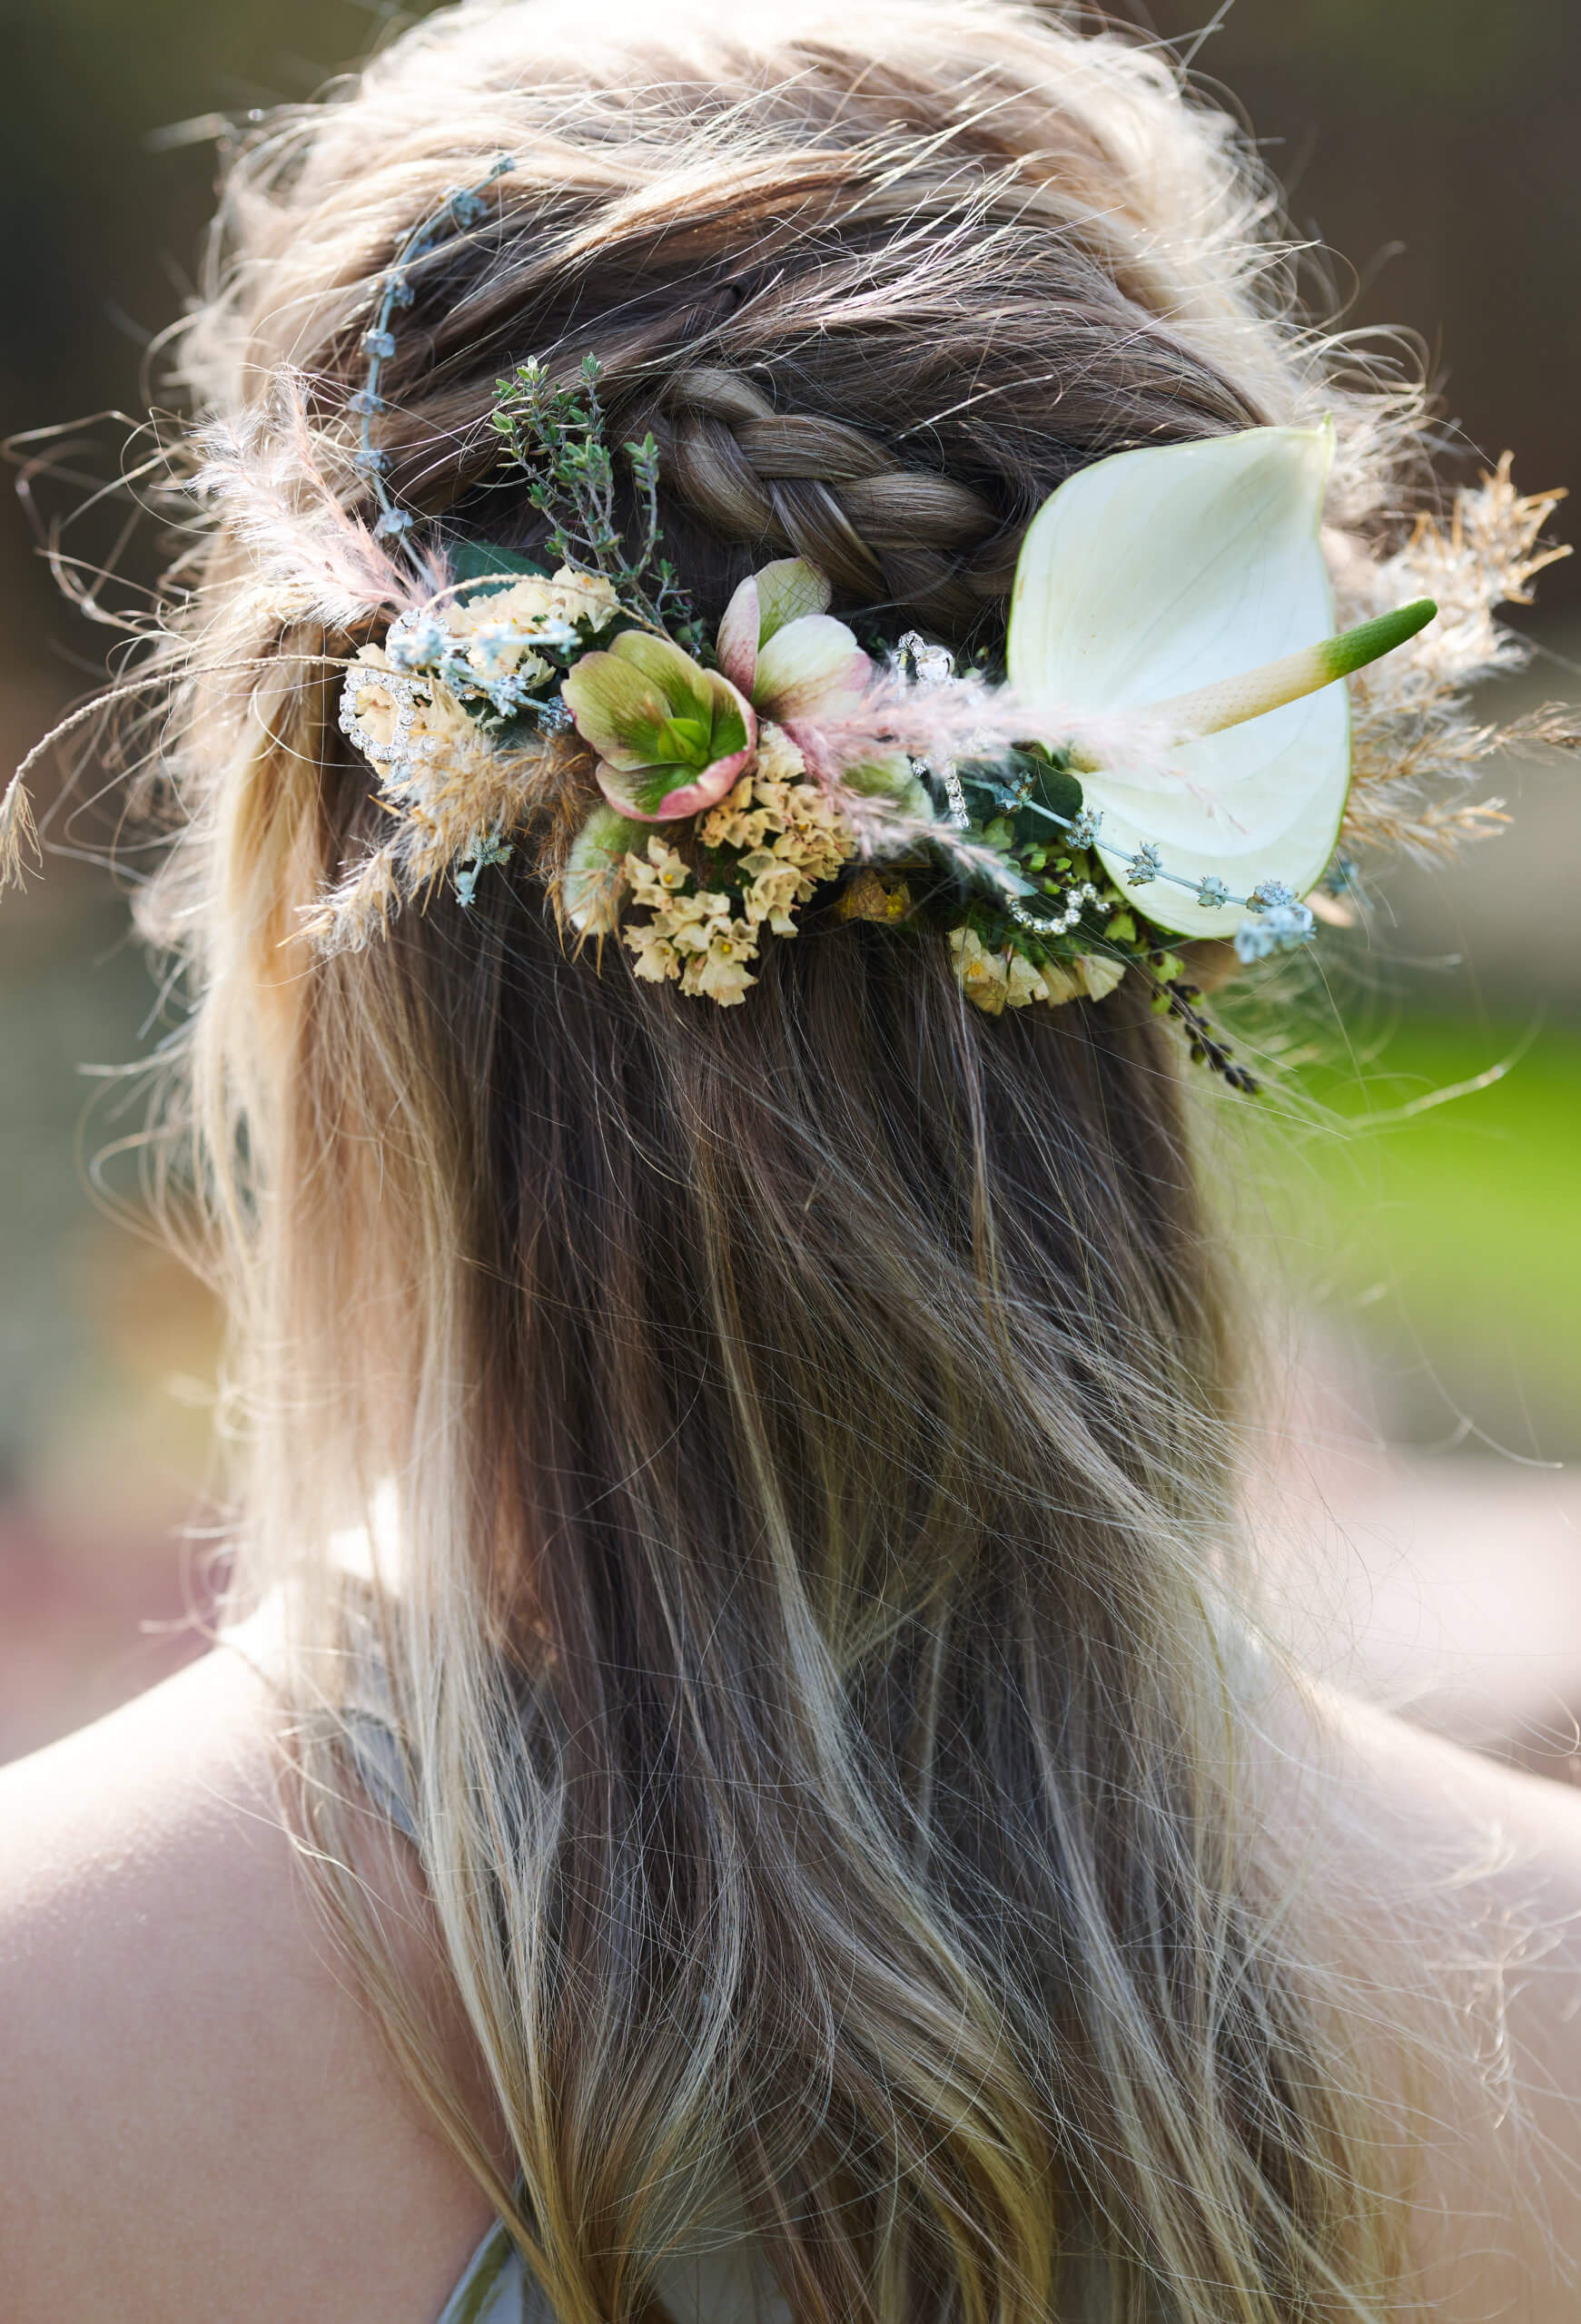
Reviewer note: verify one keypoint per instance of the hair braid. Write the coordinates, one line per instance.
(834, 494)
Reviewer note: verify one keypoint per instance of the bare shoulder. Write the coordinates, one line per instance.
(1449, 1892)
(200, 2118)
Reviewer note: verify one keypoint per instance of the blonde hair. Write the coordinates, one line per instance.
(811, 1426)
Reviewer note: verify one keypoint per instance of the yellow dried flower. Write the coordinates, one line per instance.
(780, 759)
(776, 885)
(995, 981)
(869, 897)
(735, 821)
(1099, 974)
(662, 873)
(721, 971)
(983, 975)
(1023, 984)
(694, 923)
(656, 956)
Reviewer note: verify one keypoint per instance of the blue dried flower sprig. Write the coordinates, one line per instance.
(462, 207)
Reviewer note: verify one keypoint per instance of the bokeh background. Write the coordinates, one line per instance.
(1417, 1224)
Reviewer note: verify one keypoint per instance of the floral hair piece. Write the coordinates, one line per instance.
(1165, 754)
(742, 774)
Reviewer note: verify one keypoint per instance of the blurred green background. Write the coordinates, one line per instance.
(1426, 1241)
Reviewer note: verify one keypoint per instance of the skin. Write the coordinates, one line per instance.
(200, 2121)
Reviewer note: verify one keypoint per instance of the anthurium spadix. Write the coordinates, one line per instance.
(1185, 586)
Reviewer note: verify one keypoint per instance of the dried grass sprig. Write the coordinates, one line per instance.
(476, 794)
(18, 834)
(359, 909)
(1414, 732)
(1434, 834)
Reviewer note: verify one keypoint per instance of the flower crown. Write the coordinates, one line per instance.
(744, 773)
(1068, 818)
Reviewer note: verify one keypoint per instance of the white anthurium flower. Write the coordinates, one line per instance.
(1185, 586)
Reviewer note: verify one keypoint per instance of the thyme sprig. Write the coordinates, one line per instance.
(558, 436)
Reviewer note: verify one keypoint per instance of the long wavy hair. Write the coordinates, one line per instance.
(805, 1435)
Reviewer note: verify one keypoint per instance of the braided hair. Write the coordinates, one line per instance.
(875, 348)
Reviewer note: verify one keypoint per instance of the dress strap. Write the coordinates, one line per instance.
(382, 1768)
(495, 2289)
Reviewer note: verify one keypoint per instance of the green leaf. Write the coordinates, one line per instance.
(486, 561)
(1054, 786)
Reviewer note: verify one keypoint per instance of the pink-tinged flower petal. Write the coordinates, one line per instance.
(814, 664)
(642, 795)
(787, 590)
(736, 644)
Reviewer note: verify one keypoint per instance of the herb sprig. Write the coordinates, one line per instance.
(558, 436)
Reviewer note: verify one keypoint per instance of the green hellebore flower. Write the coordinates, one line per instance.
(671, 736)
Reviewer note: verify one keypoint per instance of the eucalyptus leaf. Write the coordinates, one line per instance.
(487, 561)
(1054, 784)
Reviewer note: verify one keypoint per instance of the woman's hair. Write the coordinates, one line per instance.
(809, 1426)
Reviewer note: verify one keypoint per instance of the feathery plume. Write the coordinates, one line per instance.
(970, 719)
(883, 828)
(359, 908)
(18, 834)
(1414, 733)
(267, 477)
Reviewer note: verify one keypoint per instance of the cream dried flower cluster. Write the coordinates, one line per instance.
(451, 712)
(787, 837)
(495, 643)
(994, 980)
(499, 636)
